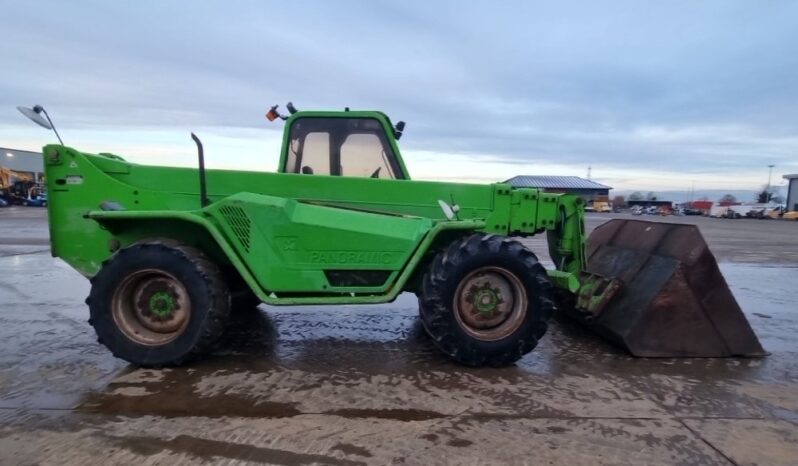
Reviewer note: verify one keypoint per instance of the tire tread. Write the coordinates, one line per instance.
(218, 297)
(437, 315)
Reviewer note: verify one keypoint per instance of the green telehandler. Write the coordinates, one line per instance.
(171, 251)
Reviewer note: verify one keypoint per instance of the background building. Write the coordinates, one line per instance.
(23, 163)
(588, 189)
(792, 192)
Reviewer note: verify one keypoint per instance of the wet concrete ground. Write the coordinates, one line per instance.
(363, 385)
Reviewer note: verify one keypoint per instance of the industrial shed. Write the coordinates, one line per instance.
(588, 189)
(22, 162)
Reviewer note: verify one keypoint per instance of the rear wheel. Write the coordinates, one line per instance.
(486, 300)
(158, 303)
(244, 300)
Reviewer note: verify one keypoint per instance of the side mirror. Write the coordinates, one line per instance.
(35, 115)
(398, 129)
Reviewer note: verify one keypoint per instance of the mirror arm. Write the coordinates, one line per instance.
(51, 124)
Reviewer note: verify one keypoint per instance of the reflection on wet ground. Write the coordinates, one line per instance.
(363, 385)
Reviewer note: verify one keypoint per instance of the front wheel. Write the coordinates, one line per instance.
(486, 301)
(158, 303)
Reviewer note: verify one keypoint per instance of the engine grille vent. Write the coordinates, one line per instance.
(239, 222)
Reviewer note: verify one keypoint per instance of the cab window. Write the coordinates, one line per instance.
(341, 147)
(316, 153)
(362, 155)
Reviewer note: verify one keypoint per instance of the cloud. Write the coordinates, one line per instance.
(681, 87)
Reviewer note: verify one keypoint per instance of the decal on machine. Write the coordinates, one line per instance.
(351, 257)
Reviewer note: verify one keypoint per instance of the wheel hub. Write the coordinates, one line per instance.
(151, 307)
(162, 304)
(490, 303)
(486, 300)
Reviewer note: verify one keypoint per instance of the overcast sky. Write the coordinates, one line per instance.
(652, 95)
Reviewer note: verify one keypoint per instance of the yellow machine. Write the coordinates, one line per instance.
(8, 177)
(17, 187)
(778, 213)
(602, 206)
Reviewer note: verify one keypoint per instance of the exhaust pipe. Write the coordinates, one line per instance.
(201, 156)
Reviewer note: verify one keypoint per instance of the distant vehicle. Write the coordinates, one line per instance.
(25, 192)
(731, 213)
(602, 206)
(792, 215)
(776, 212)
(757, 212)
(640, 210)
(741, 211)
(598, 206)
(718, 211)
(36, 201)
(690, 211)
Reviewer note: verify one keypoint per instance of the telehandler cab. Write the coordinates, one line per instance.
(170, 251)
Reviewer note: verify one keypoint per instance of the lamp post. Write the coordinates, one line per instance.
(767, 192)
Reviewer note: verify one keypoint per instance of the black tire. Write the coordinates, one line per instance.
(168, 271)
(244, 300)
(460, 262)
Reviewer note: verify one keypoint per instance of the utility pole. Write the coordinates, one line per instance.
(589, 169)
(767, 192)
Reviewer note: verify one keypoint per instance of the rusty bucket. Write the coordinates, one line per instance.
(672, 300)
